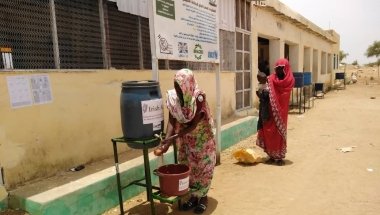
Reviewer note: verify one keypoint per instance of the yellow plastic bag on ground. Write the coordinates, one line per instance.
(248, 156)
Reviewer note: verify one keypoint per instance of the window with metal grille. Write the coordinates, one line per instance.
(79, 34)
(145, 39)
(25, 28)
(242, 55)
(123, 38)
(227, 44)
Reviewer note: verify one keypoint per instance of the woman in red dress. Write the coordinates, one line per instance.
(272, 136)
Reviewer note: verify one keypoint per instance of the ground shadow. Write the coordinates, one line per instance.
(292, 112)
(287, 163)
(164, 208)
(245, 164)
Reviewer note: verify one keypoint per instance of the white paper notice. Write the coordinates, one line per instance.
(152, 111)
(26, 90)
(19, 91)
(183, 184)
(41, 90)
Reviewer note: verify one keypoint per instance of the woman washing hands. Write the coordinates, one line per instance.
(190, 125)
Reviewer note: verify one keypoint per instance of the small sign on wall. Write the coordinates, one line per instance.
(26, 90)
(6, 54)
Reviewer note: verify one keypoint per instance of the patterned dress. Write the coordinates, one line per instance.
(197, 149)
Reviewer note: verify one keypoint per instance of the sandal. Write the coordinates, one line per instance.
(192, 202)
(270, 161)
(202, 206)
(280, 162)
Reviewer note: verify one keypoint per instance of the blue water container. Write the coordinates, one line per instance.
(307, 78)
(298, 77)
(141, 109)
(339, 75)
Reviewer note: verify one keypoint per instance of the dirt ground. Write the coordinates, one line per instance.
(318, 178)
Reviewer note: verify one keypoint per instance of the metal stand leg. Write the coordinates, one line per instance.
(304, 100)
(311, 91)
(309, 95)
(148, 180)
(299, 91)
(292, 100)
(115, 155)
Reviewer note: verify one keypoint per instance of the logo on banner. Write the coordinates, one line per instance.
(198, 51)
(144, 108)
(212, 2)
(213, 55)
(183, 51)
(152, 112)
(165, 47)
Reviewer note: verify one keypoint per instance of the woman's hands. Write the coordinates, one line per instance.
(161, 149)
(164, 145)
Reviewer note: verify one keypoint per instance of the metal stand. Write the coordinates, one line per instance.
(318, 87)
(339, 76)
(144, 145)
(300, 91)
(309, 95)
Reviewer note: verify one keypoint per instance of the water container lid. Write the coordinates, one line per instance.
(298, 74)
(143, 83)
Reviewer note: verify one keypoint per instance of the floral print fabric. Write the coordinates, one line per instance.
(189, 87)
(197, 149)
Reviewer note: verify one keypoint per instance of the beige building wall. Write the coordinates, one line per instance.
(76, 128)
(41, 140)
(280, 25)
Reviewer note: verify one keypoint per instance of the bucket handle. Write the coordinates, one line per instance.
(155, 172)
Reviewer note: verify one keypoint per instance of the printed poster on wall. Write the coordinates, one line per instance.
(26, 90)
(187, 30)
(19, 91)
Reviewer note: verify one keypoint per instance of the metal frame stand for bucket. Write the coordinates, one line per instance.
(308, 96)
(299, 92)
(144, 145)
(299, 87)
(319, 87)
(341, 76)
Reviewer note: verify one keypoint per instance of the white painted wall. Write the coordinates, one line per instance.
(279, 31)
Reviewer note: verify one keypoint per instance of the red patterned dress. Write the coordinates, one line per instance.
(272, 136)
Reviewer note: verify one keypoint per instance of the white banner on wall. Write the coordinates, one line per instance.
(187, 30)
